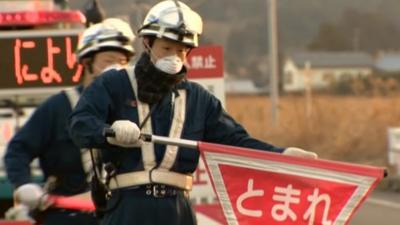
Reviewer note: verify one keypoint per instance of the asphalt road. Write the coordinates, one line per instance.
(381, 208)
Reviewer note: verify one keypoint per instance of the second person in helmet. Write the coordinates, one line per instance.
(65, 166)
(152, 182)
(105, 45)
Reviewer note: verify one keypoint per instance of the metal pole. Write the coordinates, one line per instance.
(308, 89)
(273, 49)
(109, 132)
(169, 141)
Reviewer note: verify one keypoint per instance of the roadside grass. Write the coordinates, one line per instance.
(345, 128)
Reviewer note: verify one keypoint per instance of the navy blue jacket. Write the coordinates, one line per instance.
(45, 136)
(110, 98)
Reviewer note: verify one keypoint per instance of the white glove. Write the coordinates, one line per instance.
(293, 151)
(32, 196)
(20, 213)
(126, 134)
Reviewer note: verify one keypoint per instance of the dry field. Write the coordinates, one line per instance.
(345, 128)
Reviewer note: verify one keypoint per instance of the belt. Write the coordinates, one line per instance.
(157, 190)
(170, 178)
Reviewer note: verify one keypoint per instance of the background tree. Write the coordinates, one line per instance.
(358, 31)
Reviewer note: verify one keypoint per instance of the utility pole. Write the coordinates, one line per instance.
(308, 89)
(356, 39)
(273, 50)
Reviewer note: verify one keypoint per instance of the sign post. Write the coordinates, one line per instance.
(206, 67)
(394, 148)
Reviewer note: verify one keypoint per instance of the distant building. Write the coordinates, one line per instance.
(319, 69)
(388, 63)
(242, 86)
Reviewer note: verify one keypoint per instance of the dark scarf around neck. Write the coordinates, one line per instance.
(154, 84)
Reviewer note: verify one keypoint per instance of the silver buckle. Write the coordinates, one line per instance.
(159, 191)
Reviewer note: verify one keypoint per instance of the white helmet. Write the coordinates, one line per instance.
(112, 34)
(174, 20)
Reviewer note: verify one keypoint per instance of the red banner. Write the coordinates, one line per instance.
(258, 187)
(12, 222)
(72, 202)
(209, 214)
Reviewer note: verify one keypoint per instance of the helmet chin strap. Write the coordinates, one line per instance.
(90, 71)
(150, 51)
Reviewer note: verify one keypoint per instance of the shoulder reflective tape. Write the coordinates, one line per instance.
(148, 155)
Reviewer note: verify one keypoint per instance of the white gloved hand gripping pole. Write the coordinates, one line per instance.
(109, 132)
(298, 152)
(31, 195)
(126, 134)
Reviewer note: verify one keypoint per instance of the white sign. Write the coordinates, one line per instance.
(394, 148)
(8, 125)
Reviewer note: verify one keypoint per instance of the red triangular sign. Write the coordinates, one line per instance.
(258, 187)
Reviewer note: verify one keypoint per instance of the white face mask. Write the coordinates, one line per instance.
(116, 66)
(170, 64)
(97, 70)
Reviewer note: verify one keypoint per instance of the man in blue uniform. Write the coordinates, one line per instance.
(152, 181)
(45, 135)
